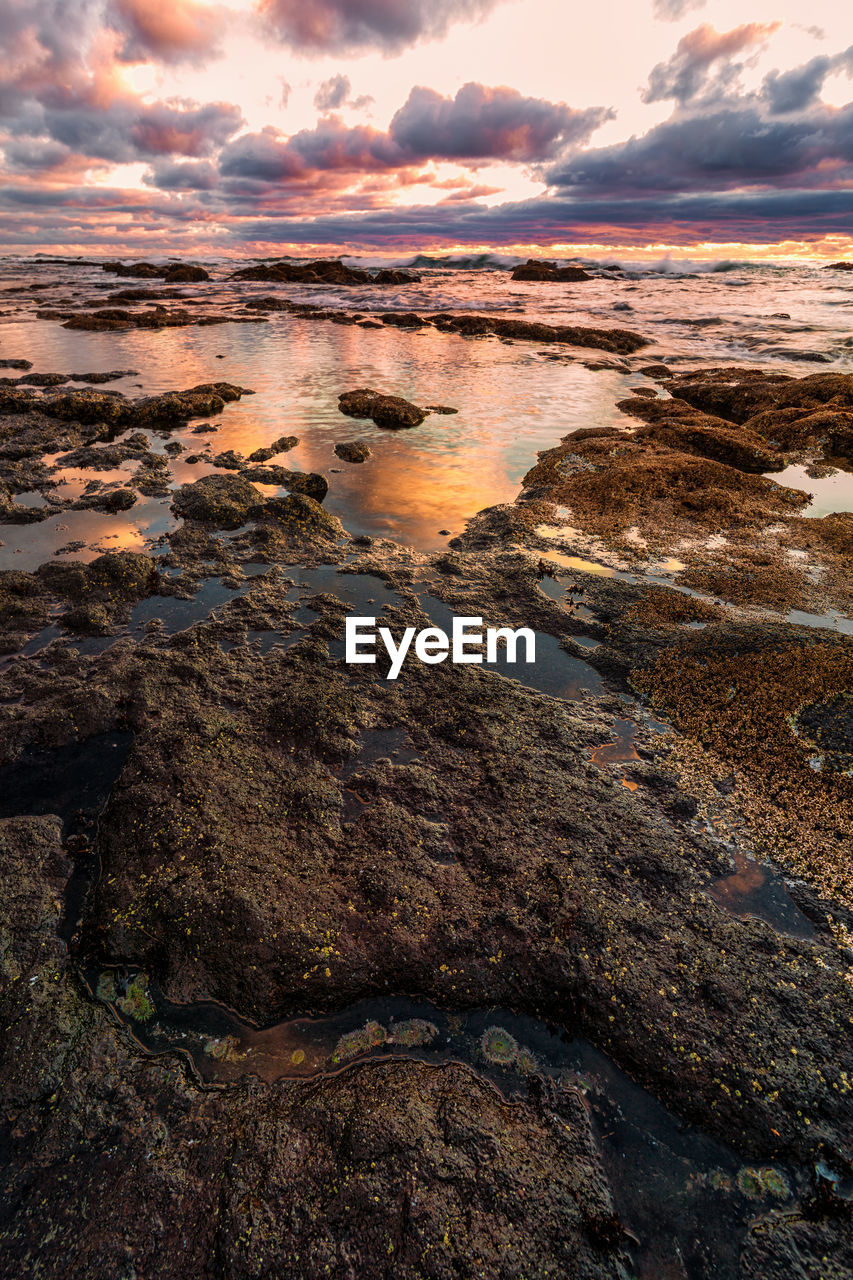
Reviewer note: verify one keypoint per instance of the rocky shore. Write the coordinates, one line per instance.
(630, 872)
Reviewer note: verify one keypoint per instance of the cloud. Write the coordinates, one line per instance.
(800, 88)
(128, 130)
(674, 10)
(482, 123)
(734, 146)
(479, 125)
(189, 175)
(686, 74)
(332, 93)
(355, 26)
(166, 30)
(759, 217)
(269, 156)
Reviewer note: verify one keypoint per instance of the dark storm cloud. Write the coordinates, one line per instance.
(730, 147)
(800, 88)
(687, 73)
(166, 30)
(351, 26)
(489, 124)
(332, 93)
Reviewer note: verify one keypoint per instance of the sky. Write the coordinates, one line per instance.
(386, 128)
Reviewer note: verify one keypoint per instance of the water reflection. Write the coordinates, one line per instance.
(512, 403)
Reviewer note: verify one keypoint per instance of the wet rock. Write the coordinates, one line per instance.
(613, 482)
(221, 501)
(111, 501)
(390, 275)
(353, 450)
(183, 274)
(16, 364)
(840, 266)
(678, 425)
(321, 270)
(302, 516)
(386, 411)
(139, 270)
(539, 269)
(309, 482)
(230, 459)
(404, 320)
(282, 445)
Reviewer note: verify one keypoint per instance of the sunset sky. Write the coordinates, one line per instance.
(384, 127)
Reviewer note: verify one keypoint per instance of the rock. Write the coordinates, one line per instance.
(392, 276)
(386, 411)
(16, 364)
(183, 274)
(140, 270)
(302, 516)
(310, 482)
(321, 270)
(221, 501)
(230, 459)
(538, 269)
(353, 450)
(282, 445)
(440, 408)
(111, 501)
(839, 266)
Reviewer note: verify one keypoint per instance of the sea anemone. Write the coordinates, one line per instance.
(370, 1036)
(412, 1034)
(224, 1049)
(136, 1003)
(526, 1063)
(499, 1047)
(749, 1182)
(106, 989)
(775, 1183)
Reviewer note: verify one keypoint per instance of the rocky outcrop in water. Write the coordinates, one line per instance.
(536, 269)
(386, 411)
(353, 450)
(321, 271)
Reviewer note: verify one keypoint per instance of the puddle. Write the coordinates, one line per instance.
(621, 750)
(554, 672)
(678, 1191)
(756, 890)
(829, 493)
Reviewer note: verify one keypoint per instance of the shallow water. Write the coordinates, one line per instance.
(514, 398)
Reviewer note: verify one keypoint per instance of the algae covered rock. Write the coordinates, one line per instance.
(221, 501)
(301, 515)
